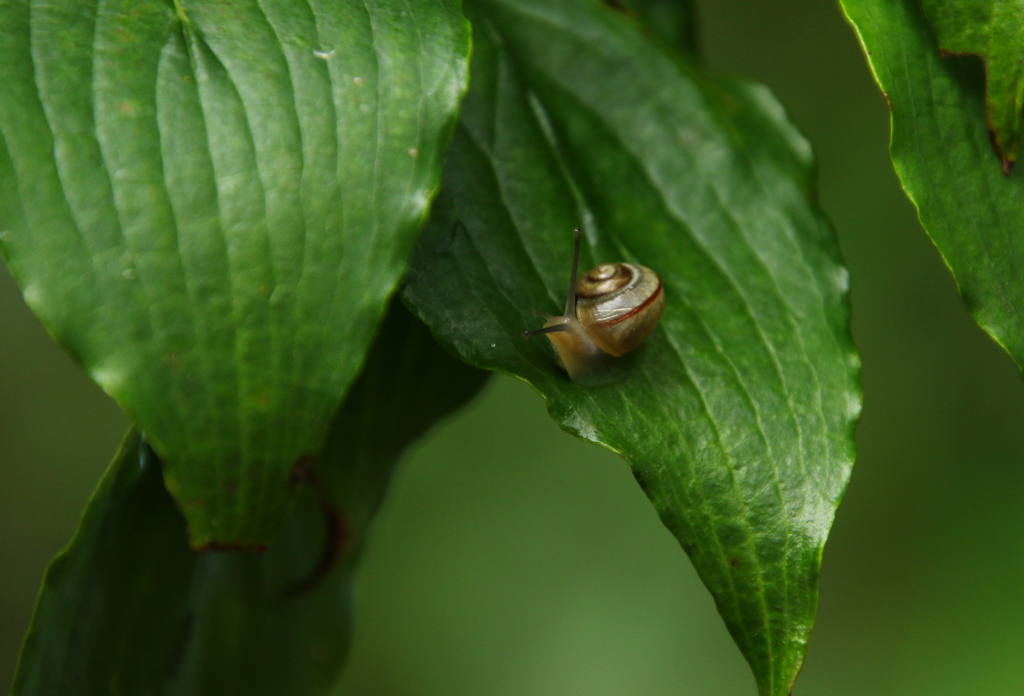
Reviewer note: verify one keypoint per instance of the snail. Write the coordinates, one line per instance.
(608, 313)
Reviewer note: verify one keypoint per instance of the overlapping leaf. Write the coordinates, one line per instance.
(994, 31)
(736, 414)
(672, 21)
(128, 610)
(941, 151)
(209, 203)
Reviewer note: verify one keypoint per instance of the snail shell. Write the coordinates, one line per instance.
(619, 304)
(608, 313)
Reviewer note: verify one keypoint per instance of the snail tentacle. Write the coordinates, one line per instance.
(545, 330)
(570, 296)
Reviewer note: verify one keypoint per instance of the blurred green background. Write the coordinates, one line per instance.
(512, 559)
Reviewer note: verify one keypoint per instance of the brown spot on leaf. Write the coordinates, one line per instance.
(302, 469)
(128, 108)
(618, 6)
(336, 527)
(1004, 158)
(1007, 163)
(219, 546)
(335, 545)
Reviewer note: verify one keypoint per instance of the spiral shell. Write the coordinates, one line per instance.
(608, 312)
(619, 304)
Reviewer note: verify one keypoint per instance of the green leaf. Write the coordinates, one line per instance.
(128, 609)
(940, 149)
(737, 413)
(209, 204)
(114, 605)
(994, 31)
(671, 21)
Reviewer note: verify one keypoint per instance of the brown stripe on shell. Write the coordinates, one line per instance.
(636, 310)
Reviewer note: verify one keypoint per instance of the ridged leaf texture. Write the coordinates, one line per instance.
(128, 610)
(737, 414)
(940, 147)
(209, 204)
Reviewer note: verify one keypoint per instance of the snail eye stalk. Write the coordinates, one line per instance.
(570, 298)
(545, 330)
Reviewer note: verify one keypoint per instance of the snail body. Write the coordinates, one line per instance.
(608, 313)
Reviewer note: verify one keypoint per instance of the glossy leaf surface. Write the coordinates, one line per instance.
(941, 151)
(736, 414)
(128, 610)
(209, 203)
(994, 31)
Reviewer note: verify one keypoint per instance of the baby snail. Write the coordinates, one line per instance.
(607, 313)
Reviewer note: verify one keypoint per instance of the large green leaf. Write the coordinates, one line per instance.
(737, 414)
(941, 151)
(994, 31)
(128, 609)
(209, 204)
